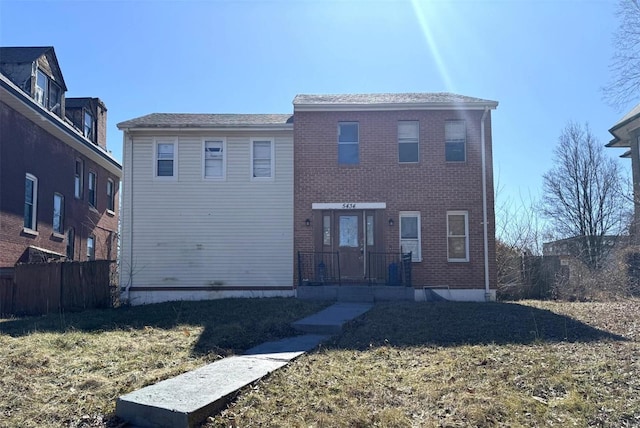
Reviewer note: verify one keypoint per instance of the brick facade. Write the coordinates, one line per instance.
(26, 148)
(432, 186)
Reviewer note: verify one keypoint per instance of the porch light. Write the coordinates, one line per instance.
(307, 222)
(390, 222)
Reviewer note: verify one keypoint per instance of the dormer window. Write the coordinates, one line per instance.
(88, 125)
(47, 92)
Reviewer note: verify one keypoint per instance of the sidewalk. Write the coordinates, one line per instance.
(188, 399)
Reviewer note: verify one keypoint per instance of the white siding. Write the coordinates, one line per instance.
(193, 232)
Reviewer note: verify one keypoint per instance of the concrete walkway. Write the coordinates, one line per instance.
(188, 399)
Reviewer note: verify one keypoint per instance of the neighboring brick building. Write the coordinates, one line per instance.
(58, 183)
(378, 174)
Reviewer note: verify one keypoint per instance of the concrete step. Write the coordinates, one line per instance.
(331, 320)
(355, 294)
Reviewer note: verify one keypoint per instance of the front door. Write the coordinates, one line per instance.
(350, 236)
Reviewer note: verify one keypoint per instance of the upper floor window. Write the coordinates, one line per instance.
(214, 159)
(262, 158)
(92, 189)
(111, 195)
(78, 179)
(455, 135)
(458, 236)
(410, 234)
(58, 213)
(408, 141)
(165, 158)
(89, 125)
(30, 201)
(47, 92)
(348, 142)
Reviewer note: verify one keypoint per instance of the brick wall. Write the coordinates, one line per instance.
(431, 186)
(26, 148)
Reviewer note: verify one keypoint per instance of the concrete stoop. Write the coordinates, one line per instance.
(188, 399)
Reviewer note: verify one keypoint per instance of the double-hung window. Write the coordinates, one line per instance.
(410, 234)
(78, 179)
(262, 159)
(165, 165)
(348, 142)
(111, 195)
(458, 236)
(58, 213)
(408, 147)
(91, 247)
(30, 201)
(89, 125)
(48, 93)
(214, 162)
(455, 134)
(92, 190)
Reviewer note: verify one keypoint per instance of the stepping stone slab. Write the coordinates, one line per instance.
(188, 399)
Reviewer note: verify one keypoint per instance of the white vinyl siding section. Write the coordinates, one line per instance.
(410, 239)
(190, 233)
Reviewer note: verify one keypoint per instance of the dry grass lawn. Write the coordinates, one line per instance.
(527, 364)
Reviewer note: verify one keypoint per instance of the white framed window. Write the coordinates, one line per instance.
(89, 125)
(455, 135)
(348, 143)
(92, 190)
(78, 179)
(111, 195)
(458, 236)
(58, 213)
(410, 239)
(91, 247)
(408, 137)
(166, 156)
(47, 92)
(262, 159)
(214, 159)
(30, 201)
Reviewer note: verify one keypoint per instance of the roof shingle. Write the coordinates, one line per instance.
(194, 120)
(388, 98)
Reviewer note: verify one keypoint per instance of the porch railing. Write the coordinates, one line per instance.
(318, 268)
(392, 269)
(323, 268)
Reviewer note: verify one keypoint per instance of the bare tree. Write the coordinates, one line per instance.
(624, 85)
(582, 195)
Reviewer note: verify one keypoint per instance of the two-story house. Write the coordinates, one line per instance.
(58, 183)
(378, 175)
(207, 207)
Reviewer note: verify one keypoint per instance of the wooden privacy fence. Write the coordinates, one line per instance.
(41, 288)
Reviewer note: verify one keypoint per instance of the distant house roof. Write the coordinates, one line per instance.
(621, 131)
(192, 120)
(433, 100)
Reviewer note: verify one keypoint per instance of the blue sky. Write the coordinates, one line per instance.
(543, 60)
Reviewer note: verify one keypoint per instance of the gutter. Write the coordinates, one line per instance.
(487, 291)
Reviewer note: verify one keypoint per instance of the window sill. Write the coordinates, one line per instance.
(458, 261)
(93, 209)
(111, 213)
(31, 232)
(57, 236)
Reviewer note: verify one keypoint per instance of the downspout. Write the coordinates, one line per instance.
(130, 273)
(485, 228)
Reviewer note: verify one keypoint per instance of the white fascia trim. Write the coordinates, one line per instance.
(394, 106)
(349, 206)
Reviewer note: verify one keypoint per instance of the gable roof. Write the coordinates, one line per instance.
(195, 120)
(621, 130)
(389, 101)
(18, 55)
